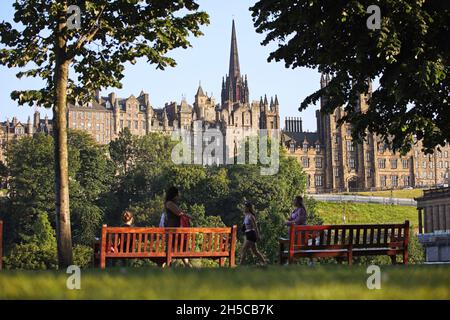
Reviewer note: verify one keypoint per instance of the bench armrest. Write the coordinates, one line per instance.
(283, 240)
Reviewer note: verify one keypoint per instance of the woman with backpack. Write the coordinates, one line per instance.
(252, 235)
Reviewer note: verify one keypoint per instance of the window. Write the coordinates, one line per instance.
(129, 124)
(317, 147)
(445, 154)
(350, 146)
(369, 173)
(405, 163)
(441, 164)
(121, 124)
(308, 181)
(305, 162)
(305, 147)
(424, 164)
(97, 116)
(98, 126)
(383, 181)
(89, 125)
(446, 164)
(381, 148)
(416, 153)
(318, 181)
(394, 164)
(292, 146)
(430, 175)
(97, 137)
(407, 181)
(352, 163)
(336, 140)
(318, 162)
(394, 181)
(368, 157)
(336, 157)
(381, 163)
(336, 172)
(431, 165)
(136, 125)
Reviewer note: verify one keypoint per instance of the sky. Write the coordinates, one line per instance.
(206, 62)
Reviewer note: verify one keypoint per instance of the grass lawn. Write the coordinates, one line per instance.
(407, 194)
(333, 213)
(275, 282)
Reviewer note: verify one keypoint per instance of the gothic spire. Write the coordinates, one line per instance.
(235, 70)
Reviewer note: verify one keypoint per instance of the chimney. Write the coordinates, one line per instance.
(112, 98)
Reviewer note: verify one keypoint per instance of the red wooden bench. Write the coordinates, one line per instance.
(1, 245)
(346, 241)
(166, 244)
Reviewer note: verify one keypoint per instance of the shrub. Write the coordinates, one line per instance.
(82, 256)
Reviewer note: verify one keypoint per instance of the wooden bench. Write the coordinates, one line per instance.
(1, 244)
(163, 245)
(346, 241)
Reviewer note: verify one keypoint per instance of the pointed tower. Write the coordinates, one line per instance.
(235, 87)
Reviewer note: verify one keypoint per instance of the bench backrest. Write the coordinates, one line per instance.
(341, 236)
(128, 242)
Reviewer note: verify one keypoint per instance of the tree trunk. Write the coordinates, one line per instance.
(63, 232)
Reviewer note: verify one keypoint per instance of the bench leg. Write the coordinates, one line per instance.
(405, 257)
(222, 262)
(394, 259)
(350, 256)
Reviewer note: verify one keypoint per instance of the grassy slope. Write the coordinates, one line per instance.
(333, 213)
(408, 194)
(321, 282)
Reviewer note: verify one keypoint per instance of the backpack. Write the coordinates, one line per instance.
(163, 220)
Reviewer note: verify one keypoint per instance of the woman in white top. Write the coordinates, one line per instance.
(251, 234)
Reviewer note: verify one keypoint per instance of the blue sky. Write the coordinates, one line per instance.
(207, 61)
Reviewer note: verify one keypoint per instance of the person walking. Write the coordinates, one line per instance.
(252, 234)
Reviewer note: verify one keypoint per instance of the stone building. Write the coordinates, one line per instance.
(13, 130)
(237, 117)
(434, 224)
(334, 163)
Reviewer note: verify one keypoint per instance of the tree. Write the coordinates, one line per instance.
(111, 33)
(410, 54)
(31, 189)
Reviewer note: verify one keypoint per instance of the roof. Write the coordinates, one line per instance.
(311, 137)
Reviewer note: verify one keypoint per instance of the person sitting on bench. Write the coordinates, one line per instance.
(298, 216)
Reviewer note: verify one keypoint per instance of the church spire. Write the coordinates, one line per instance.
(235, 70)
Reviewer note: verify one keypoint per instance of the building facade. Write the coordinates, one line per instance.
(106, 116)
(434, 224)
(334, 163)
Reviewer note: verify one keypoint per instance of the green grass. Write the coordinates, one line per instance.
(406, 194)
(333, 213)
(276, 282)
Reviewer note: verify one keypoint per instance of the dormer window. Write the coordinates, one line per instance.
(292, 146)
(305, 146)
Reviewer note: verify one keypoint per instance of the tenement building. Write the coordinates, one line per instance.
(334, 163)
(236, 116)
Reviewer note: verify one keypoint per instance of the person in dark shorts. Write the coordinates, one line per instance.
(252, 234)
(174, 213)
